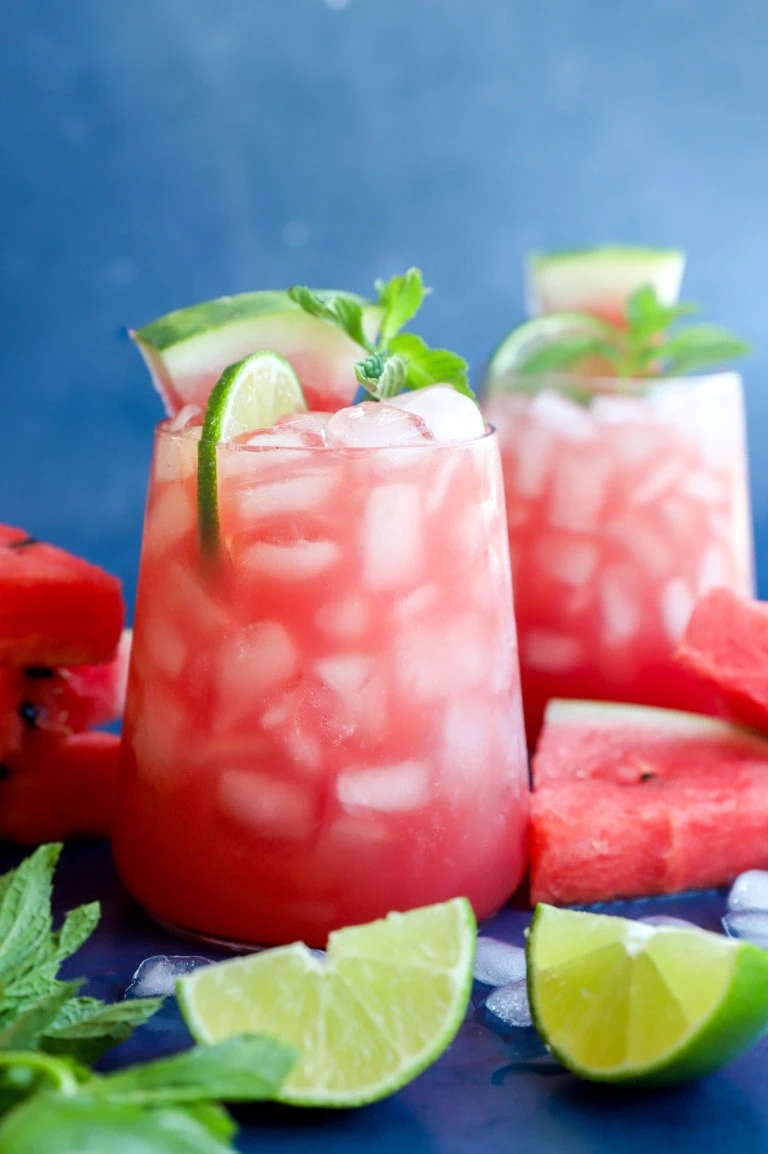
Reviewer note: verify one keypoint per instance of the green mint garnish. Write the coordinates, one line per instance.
(51, 1102)
(645, 348)
(396, 361)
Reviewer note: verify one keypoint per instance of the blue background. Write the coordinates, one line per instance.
(160, 152)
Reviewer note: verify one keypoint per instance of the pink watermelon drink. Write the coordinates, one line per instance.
(324, 720)
(622, 511)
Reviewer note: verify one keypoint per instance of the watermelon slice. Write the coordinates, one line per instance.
(631, 801)
(59, 787)
(78, 698)
(55, 609)
(187, 350)
(726, 644)
(11, 726)
(599, 280)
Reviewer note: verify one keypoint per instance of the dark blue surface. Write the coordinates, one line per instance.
(485, 1095)
(159, 152)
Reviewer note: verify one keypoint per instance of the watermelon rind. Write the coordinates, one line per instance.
(202, 340)
(608, 714)
(599, 278)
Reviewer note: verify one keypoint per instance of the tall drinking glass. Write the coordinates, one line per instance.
(626, 501)
(327, 724)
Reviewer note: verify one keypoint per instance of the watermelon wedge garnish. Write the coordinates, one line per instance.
(599, 280)
(55, 609)
(726, 644)
(186, 351)
(631, 801)
(76, 698)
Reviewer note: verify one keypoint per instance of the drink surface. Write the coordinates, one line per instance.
(326, 725)
(622, 511)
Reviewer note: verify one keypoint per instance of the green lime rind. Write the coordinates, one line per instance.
(515, 348)
(233, 408)
(729, 1023)
(208, 316)
(388, 999)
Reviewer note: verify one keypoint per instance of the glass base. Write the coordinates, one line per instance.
(230, 947)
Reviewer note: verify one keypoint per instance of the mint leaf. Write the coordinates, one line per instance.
(25, 918)
(646, 315)
(25, 1032)
(428, 366)
(53, 1124)
(569, 353)
(78, 926)
(699, 347)
(86, 1028)
(400, 299)
(245, 1069)
(339, 310)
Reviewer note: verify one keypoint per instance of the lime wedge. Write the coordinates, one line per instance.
(623, 1001)
(540, 333)
(253, 394)
(382, 1005)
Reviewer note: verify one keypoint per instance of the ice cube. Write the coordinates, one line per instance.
(749, 925)
(449, 415)
(676, 608)
(498, 963)
(187, 417)
(157, 976)
(508, 1006)
(534, 450)
(176, 457)
(579, 488)
(464, 750)
(372, 425)
(658, 480)
(257, 659)
(564, 417)
(386, 788)
(265, 804)
(551, 652)
(620, 609)
(298, 561)
(296, 431)
(668, 920)
(617, 410)
(392, 535)
(705, 487)
(417, 603)
(567, 559)
(346, 620)
(749, 891)
(171, 516)
(302, 493)
(647, 548)
(163, 646)
(712, 569)
(433, 661)
(346, 673)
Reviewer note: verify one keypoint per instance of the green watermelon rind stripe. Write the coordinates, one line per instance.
(185, 324)
(565, 711)
(619, 253)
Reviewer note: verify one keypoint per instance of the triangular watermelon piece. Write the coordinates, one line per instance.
(631, 801)
(726, 644)
(77, 697)
(55, 609)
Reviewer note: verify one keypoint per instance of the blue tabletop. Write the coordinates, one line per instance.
(487, 1093)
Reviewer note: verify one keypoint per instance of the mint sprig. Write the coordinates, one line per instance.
(51, 1102)
(645, 347)
(395, 361)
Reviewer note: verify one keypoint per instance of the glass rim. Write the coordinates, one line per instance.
(162, 430)
(598, 385)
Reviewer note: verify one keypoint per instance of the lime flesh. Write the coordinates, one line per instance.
(250, 395)
(622, 1001)
(383, 1004)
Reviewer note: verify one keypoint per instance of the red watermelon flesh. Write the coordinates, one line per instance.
(726, 643)
(55, 609)
(59, 787)
(80, 697)
(630, 801)
(11, 726)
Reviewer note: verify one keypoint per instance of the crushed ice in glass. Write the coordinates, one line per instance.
(508, 1006)
(156, 977)
(498, 963)
(749, 891)
(749, 925)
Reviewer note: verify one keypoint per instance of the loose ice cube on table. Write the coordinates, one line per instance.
(508, 1006)
(449, 415)
(498, 963)
(748, 925)
(156, 977)
(750, 891)
(376, 425)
